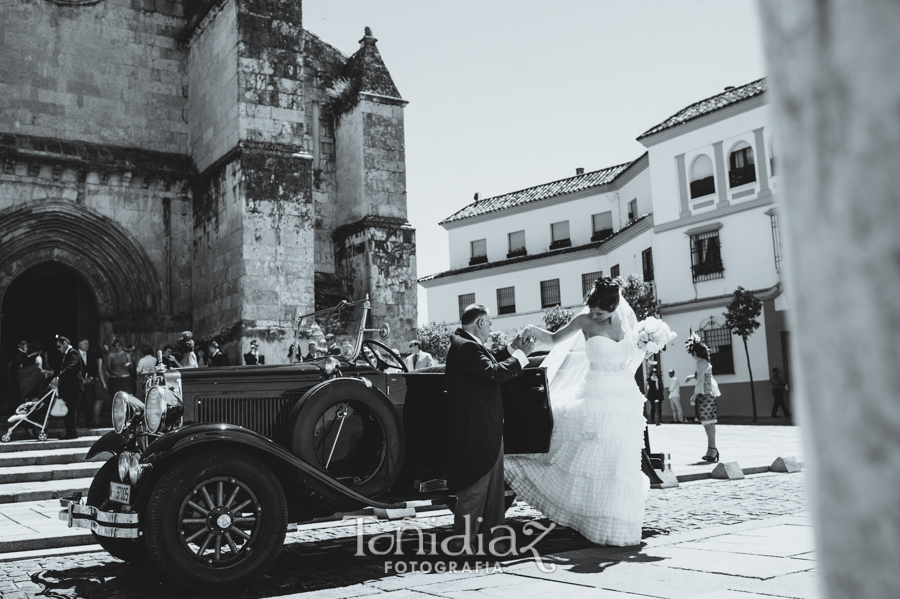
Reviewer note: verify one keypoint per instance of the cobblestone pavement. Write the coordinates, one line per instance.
(323, 558)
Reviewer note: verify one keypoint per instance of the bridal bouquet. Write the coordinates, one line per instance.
(653, 335)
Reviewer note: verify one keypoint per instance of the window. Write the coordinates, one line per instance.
(465, 301)
(506, 300)
(516, 244)
(706, 257)
(632, 210)
(776, 240)
(718, 340)
(772, 157)
(549, 293)
(479, 252)
(741, 163)
(603, 226)
(559, 233)
(614, 271)
(587, 281)
(702, 181)
(647, 261)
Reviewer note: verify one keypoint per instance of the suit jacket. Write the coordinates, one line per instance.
(475, 407)
(69, 376)
(251, 360)
(425, 360)
(334, 350)
(309, 357)
(220, 359)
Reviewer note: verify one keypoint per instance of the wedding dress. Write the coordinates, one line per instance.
(591, 478)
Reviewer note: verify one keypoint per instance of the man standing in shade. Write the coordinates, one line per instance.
(418, 359)
(68, 383)
(475, 422)
(675, 397)
(216, 357)
(331, 346)
(778, 389)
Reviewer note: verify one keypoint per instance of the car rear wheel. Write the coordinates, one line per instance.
(216, 521)
(128, 550)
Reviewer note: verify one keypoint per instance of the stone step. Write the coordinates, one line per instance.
(39, 457)
(42, 490)
(26, 474)
(32, 445)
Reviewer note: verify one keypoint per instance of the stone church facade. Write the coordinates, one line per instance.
(187, 161)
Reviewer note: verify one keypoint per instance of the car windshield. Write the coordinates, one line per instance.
(331, 331)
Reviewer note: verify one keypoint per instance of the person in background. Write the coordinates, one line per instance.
(31, 371)
(15, 364)
(253, 357)
(202, 358)
(68, 383)
(321, 348)
(675, 398)
(188, 357)
(417, 359)
(168, 359)
(706, 392)
(216, 357)
(654, 396)
(331, 346)
(118, 368)
(310, 352)
(779, 386)
(92, 394)
(145, 368)
(347, 349)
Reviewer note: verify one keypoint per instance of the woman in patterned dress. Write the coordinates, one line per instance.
(706, 392)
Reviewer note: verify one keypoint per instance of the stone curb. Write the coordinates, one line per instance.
(752, 470)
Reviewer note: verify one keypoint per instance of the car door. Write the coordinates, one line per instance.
(527, 417)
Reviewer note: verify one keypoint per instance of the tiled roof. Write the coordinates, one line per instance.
(579, 248)
(541, 192)
(717, 102)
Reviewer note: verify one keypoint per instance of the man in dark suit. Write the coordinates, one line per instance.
(216, 357)
(253, 357)
(311, 355)
(333, 349)
(473, 376)
(68, 382)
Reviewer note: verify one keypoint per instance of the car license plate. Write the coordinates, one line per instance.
(119, 492)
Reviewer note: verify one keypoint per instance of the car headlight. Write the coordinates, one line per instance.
(155, 409)
(123, 466)
(124, 408)
(134, 467)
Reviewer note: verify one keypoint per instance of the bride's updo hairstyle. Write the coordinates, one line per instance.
(604, 295)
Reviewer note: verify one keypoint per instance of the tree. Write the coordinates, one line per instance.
(556, 318)
(639, 296)
(741, 317)
(497, 341)
(434, 338)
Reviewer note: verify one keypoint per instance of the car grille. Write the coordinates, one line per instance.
(265, 415)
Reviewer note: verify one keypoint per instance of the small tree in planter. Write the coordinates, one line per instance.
(434, 338)
(741, 317)
(556, 318)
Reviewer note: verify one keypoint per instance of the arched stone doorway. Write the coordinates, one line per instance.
(48, 300)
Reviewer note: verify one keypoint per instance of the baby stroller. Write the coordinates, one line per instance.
(47, 403)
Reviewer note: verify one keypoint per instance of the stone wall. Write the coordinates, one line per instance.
(110, 73)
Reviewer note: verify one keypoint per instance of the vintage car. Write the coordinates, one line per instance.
(210, 465)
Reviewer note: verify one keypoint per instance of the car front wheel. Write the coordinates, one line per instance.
(216, 521)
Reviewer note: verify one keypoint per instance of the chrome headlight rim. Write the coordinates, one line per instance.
(155, 409)
(120, 405)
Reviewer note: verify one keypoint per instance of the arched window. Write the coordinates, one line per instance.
(741, 162)
(702, 182)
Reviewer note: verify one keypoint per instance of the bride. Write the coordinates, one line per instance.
(591, 478)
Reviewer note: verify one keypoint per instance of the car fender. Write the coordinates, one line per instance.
(111, 442)
(208, 434)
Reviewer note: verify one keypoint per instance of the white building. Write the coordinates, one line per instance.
(539, 247)
(715, 227)
(697, 214)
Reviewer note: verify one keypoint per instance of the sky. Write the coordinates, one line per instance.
(505, 94)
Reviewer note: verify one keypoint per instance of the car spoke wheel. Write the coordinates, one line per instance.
(216, 521)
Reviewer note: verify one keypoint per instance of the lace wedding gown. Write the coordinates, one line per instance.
(591, 478)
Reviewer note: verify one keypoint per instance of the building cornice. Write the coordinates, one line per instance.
(714, 214)
(717, 301)
(705, 120)
(545, 259)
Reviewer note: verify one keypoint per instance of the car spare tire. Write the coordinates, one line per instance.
(350, 431)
